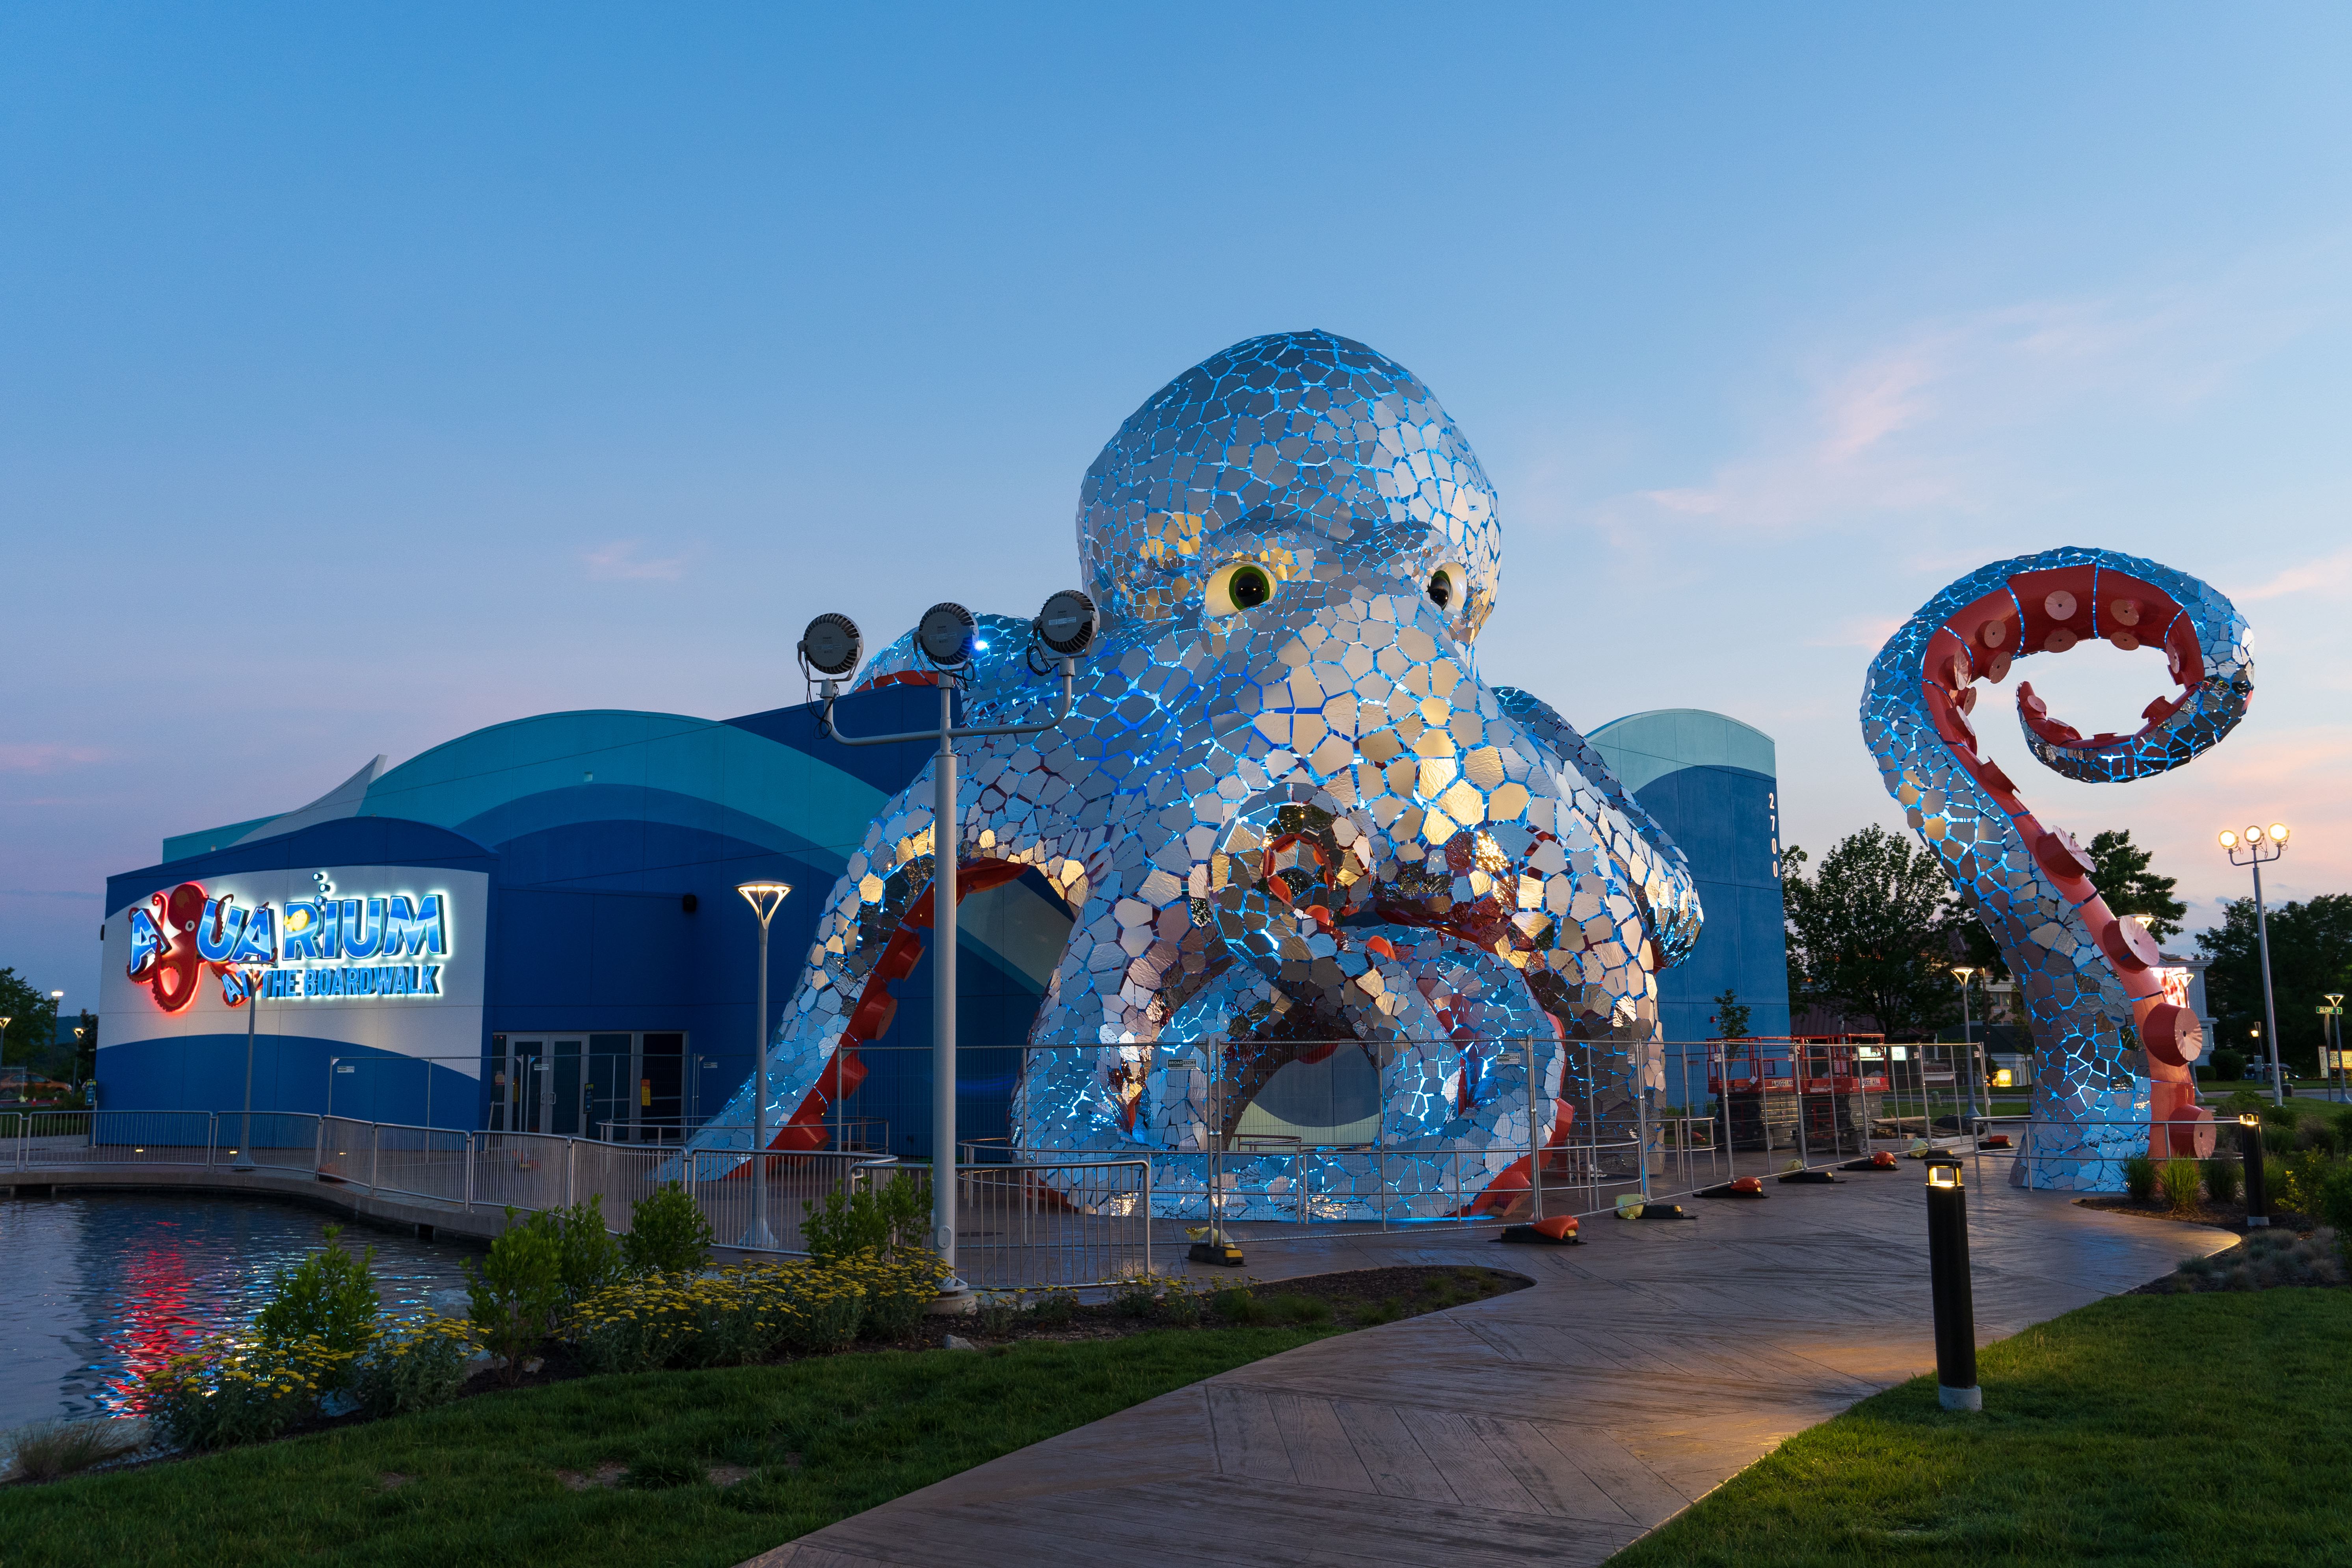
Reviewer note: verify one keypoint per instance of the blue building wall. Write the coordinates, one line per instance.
(1712, 782)
(613, 842)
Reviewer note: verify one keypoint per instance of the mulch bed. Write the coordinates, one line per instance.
(2229, 1217)
(1358, 1298)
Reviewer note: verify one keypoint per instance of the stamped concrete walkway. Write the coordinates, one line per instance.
(1549, 1426)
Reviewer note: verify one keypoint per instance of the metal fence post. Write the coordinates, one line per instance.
(318, 1147)
(469, 1172)
(1147, 1216)
(570, 1164)
(1535, 1146)
(375, 1153)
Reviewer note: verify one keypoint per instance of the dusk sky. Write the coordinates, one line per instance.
(369, 375)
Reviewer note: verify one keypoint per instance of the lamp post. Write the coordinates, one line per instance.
(2250, 1150)
(2253, 843)
(1968, 1047)
(1947, 1275)
(2331, 1036)
(946, 638)
(765, 898)
(252, 1011)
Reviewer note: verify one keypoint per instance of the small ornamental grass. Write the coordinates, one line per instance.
(2139, 1178)
(2182, 1181)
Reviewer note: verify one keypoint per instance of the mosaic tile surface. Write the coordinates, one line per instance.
(1288, 816)
(2111, 1052)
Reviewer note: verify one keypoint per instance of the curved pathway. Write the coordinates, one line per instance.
(1551, 1426)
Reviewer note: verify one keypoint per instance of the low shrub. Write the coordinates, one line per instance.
(828, 1306)
(636, 1325)
(588, 1257)
(2278, 1137)
(517, 1293)
(2222, 1177)
(52, 1450)
(2182, 1181)
(897, 1290)
(417, 1368)
(2139, 1178)
(1054, 1308)
(1136, 1297)
(888, 1218)
(2229, 1065)
(1234, 1303)
(329, 1297)
(2307, 1174)
(667, 1233)
(230, 1391)
(1181, 1302)
(999, 1311)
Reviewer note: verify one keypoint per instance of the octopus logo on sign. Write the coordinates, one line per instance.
(184, 932)
(1288, 818)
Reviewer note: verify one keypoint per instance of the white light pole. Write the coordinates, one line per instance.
(1063, 629)
(253, 1010)
(2332, 1034)
(1968, 1047)
(765, 898)
(2252, 843)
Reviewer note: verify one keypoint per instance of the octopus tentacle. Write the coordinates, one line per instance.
(2113, 1050)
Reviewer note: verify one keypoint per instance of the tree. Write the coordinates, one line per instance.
(1730, 1017)
(2129, 888)
(32, 1020)
(2310, 954)
(1871, 933)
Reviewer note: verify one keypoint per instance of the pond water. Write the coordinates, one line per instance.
(99, 1288)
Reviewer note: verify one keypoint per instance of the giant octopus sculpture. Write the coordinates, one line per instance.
(2113, 1050)
(1287, 815)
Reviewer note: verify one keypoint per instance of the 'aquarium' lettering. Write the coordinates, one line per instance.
(328, 941)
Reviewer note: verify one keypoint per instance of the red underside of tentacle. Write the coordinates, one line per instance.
(872, 1013)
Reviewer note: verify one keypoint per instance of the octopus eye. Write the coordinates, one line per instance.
(1445, 588)
(1242, 586)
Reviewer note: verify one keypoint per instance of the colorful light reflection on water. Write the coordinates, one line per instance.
(102, 1287)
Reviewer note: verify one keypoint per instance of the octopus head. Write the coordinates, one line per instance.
(1293, 456)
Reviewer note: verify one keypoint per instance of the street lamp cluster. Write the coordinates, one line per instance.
(948, 638)
(2260, 845)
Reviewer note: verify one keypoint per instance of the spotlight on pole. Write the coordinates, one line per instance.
(945, 635)
(1948, 1270)
(1066, 625)
(832, 645)
(2249, 1149)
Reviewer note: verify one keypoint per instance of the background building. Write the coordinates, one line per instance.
(1713, 784)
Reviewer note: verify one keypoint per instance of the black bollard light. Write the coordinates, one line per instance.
(2258, 1192)
(1947, 1273)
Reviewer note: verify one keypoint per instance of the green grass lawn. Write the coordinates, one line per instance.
(2145, 1430)
(478, 1482)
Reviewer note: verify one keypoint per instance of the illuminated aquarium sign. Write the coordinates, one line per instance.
(321, 947)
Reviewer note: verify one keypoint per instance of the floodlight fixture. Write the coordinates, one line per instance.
(832, 645)
(2278, 832)
(2229, 838)
(945, 635)
(2255, 834)
(1068, 623)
